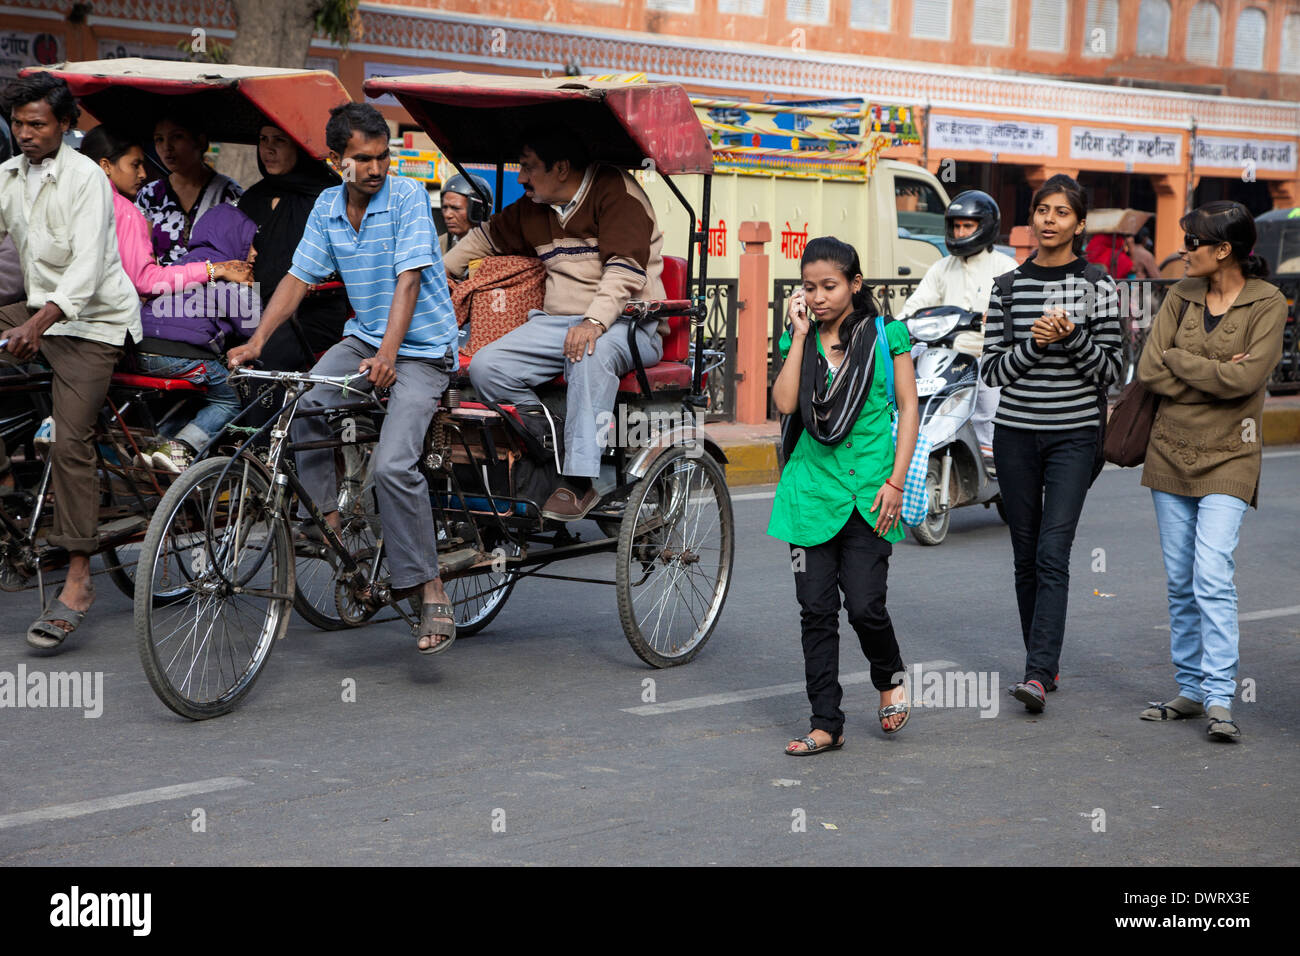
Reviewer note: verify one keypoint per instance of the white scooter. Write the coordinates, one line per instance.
(946, 382)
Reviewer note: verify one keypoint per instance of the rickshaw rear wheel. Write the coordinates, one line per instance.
(315, 576)
(203, 653)
(675, 551)
(478, 598)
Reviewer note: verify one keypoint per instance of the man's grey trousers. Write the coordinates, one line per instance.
(400, 486)
(506, 371)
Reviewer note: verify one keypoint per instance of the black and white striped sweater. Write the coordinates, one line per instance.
(1055, 387)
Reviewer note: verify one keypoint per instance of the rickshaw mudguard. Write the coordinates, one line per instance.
(679, 436)
(234, 101)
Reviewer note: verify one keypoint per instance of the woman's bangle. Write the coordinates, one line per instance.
(894, 486)
(212, 273)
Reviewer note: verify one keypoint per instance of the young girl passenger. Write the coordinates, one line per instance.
(841, 490)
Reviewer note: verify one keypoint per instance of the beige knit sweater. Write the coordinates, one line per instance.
(1207, 432)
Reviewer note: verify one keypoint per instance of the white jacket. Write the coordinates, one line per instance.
(965, 283)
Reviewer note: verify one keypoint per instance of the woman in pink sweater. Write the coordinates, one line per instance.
(124, 163)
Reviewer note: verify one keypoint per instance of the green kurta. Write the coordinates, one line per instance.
(822, 484)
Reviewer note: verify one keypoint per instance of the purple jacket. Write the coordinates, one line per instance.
(207, 315)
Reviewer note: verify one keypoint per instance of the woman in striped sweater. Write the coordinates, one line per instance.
(1053, 359)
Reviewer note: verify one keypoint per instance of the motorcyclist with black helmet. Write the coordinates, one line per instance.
(972, 223)
(463, 208)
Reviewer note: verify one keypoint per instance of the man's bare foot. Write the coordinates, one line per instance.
(78, 595)
(895, 695)
(434, 593)
(822, 738)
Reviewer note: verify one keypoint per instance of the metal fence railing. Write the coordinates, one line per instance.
(1140, 301)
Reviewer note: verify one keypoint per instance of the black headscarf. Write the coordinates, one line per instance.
(279, 230)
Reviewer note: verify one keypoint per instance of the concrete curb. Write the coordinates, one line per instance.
(752, 459)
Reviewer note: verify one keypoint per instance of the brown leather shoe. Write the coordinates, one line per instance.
(565, 505)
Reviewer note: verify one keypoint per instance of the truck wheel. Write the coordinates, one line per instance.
(934, 528)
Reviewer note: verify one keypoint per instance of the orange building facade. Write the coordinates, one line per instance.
(1156, 104)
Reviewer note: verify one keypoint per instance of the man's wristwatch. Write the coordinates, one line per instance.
(212, 273)
(596, 322)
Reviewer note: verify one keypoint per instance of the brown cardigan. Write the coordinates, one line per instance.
(1206, 436)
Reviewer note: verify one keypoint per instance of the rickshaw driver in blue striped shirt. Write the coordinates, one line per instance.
(377, 233)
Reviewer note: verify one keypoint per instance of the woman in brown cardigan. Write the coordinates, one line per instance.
(1208, 356)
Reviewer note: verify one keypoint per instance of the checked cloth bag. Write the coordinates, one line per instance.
(497, 298)
(916, 503)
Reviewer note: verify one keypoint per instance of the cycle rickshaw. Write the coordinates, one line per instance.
(665, 514)
(130, 93)
(232, 103)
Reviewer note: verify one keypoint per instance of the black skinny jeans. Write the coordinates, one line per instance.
(1044, 478)
(855, 561)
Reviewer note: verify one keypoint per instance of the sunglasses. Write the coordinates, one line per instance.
(1191, 243)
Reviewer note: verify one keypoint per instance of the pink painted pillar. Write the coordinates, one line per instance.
(753, 324)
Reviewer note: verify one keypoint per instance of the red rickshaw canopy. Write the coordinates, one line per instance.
(231, 103)
(619, 123)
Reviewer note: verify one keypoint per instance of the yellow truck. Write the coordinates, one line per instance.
(811, 169)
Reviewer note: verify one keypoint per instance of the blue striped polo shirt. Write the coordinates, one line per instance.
(396, 235)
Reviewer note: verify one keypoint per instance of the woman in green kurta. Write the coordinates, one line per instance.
(840, 494)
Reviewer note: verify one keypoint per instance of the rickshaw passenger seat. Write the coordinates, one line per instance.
(671, 373)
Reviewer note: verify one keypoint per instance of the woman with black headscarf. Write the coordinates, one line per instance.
(280, 204)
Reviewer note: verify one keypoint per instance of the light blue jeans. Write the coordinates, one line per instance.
(222, 399)
(1198, 537)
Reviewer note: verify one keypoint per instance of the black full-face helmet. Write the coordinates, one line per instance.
(977, 205)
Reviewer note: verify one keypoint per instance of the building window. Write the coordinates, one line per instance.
(870, 15)
(1289, 61)
(1047, 23)
(1101, 33)
(1248, 51)
(1203, 34)
(745, 8)
(991, 24)
(807, 11)
(930, 18)
(671, 6)
(1153, 28)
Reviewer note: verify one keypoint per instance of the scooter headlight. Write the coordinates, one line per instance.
(931, 328)
(955, 403)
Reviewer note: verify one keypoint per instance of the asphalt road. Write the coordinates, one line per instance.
(524, 745)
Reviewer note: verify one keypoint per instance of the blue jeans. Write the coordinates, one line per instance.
(222, 400)
(1198, 536)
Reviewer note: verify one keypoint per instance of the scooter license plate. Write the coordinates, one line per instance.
(928, 386)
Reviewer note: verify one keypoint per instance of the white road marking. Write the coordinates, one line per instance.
(757, 693)
(754, 496)
(1254, 615)
(65, 811)
(1280, 454)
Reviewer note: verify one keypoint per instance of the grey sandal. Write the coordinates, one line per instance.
(1222, 726)
(430, 626)
(1180, 708)
(45, 634)
(890, 711)
(813, 746)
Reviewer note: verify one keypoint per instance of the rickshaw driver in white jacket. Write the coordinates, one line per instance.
(972, 223)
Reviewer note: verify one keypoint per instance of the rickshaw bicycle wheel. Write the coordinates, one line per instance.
(478, 598)
(203, 653)
(122, 560)
(674, 557)
(315, 578)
